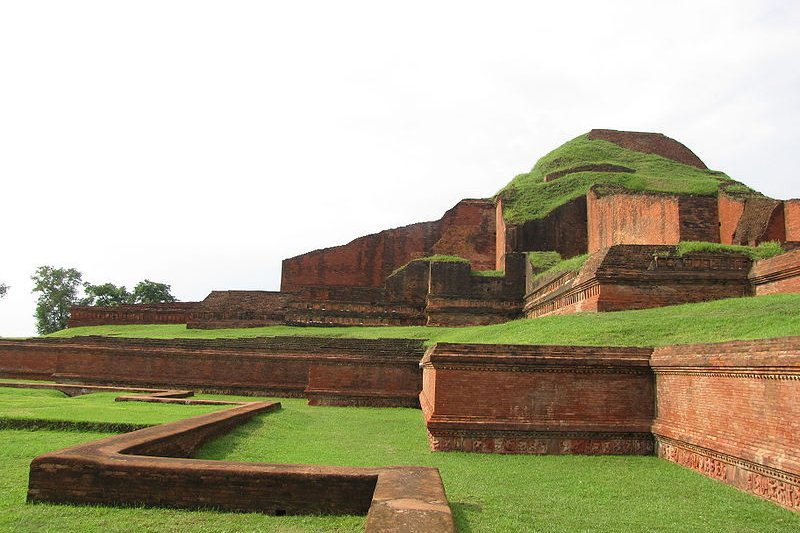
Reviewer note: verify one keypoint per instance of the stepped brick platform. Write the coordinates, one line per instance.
(150, 467)
(239, 309)
(330, 371)
(538, 399)
(731, 411)
(639, 277)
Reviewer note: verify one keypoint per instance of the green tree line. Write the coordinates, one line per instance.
(62, 288)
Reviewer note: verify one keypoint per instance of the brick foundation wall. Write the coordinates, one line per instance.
(538, 399)
(640, 277)
(239, 309)
(777, 274)
(632, 219)
(95, 315)
(263, 366)
(699, 218)
(791, 212)
(730, 212)
(731, 411)
(467, 230)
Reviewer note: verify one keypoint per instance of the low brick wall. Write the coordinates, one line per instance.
(95, 315)
(277, 366)
(149, 467)
(639, 277)
(778, 274)
(731, 411)
(538, 399)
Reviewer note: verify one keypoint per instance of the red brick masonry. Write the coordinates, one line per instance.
(357, 371)
(731, 411)
(538, 399)
(149, 467)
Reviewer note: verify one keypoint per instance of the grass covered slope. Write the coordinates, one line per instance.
(529, 197)
(760, 317)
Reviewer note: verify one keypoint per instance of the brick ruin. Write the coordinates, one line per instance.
(727, 410)
(384, 279)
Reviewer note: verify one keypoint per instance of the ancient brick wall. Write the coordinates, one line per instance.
(564, 230)
(762, 220)
(239, 309)
(632, 219)
(698, 217)
(732, 412)
(366, 380)
(500, 234)
(639, 277)
(778, 274)
(791, 212)
(264, 366)
(730, 212)
(538, 399)
(467, 230)
(456, 297)
(96, 315)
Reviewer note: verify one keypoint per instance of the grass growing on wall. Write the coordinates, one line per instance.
(759, 317)
(573, 264)
(529, 197)
(765, 250)
(487, 492)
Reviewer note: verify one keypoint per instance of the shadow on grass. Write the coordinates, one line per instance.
(462, 512)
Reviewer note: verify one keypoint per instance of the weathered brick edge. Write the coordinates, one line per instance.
(149, 467)
(731, 411)
(538, 399)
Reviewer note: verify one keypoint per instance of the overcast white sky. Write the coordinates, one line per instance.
(199, 143)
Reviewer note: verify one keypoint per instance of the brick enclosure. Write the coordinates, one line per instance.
(731, 411)
(538, 399)
(368, 372)
(95, 315)
(150, 467)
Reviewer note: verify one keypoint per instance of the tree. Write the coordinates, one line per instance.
(59, 291)
(106, 294)
(3, 289)
(150, 292)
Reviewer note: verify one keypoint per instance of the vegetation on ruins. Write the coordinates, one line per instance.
(573, 264)
(487, 492)
(528, 196)
(758, 317)
(765, 250)
(541, 261)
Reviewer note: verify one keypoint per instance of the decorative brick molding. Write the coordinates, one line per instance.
(732, 411)
(150, 467)
(778, 274)
(538, 399)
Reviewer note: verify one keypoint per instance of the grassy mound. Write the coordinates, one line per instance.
(529, 197)
(760, 317)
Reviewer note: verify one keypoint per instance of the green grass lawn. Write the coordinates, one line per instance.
(758, 317)
(488, 493)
